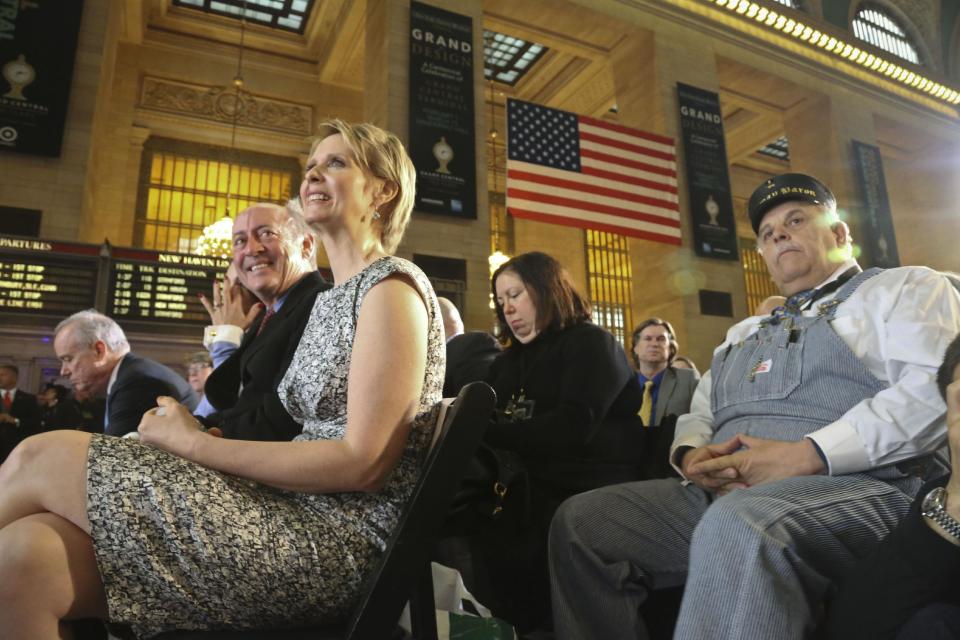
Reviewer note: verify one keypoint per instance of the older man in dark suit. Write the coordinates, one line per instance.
(95, 356)
(19, 412)
(274, 260)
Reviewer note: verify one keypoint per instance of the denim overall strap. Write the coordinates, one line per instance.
(788, 380)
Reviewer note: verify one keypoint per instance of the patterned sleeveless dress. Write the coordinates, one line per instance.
(180, 546)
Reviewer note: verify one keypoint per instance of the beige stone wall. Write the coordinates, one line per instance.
(115, 181)
(924, 193)
(386, 85)
(91, 191)
(666, 279)
(566, 244)
(56, 185)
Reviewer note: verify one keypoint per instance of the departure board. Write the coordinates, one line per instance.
(39, 277)
(148, 286)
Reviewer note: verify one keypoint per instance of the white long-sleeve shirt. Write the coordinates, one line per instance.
(899, 323)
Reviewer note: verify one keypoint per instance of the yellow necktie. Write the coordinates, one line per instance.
(646, 409)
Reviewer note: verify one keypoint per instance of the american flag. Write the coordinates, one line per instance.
(569, 169)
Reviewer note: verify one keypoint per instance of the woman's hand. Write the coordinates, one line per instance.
(170, 427)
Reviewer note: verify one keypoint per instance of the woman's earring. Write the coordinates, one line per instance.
(376, 214)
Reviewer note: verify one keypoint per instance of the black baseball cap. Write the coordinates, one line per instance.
(783, 188)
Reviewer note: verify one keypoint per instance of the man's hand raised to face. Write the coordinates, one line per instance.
(231, 303)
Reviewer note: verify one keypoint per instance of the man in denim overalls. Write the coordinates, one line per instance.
(805, 443)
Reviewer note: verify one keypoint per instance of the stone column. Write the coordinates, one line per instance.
(821, 132)
(131, 179)
(924, 189)
(386, 82)
(667, 279)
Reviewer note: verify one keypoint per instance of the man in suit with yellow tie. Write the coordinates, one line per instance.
(666, 390)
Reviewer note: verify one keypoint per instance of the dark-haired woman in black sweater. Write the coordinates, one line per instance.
(567, 403)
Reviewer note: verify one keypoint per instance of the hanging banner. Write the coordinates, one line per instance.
(442, 132)
(708, 181)
(878, 242)
(38, 41)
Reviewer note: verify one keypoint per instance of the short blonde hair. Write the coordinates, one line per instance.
(381, 154)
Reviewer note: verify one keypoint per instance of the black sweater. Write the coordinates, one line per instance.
(584, 431)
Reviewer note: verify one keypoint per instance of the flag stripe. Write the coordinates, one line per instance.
(593, 216)
(639, 182)
(597, 207)
(579, 171)
(612, 126)
(640, 143)
(590, 224)
(663, 182)
(627, 144)
(655, 166)
(595, 185)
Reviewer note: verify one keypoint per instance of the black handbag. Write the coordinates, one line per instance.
(493, 477)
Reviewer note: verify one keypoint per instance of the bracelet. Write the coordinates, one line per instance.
(935, 507)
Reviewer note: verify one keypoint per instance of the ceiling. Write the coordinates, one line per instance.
(574, 74)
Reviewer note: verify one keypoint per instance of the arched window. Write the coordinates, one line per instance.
(875, 25)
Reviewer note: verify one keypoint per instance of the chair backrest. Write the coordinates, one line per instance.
(407, 556)
(445, 405)
(403, 572)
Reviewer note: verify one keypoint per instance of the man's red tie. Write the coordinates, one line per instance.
(266, 318)
(7, 401)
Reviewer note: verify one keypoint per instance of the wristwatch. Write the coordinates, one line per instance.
(935, 507)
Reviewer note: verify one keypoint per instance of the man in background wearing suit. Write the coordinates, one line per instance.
(19, 412)
(666, 390)
(274, 259)
(95, 356)
(468, 354)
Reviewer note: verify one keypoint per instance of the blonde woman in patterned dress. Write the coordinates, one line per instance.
(185, 530)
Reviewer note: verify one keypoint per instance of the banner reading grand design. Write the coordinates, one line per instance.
(38, 40)
(708, 182)
(879, 243)
(442, 136)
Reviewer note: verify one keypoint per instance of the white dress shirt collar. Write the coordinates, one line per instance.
(113, 374)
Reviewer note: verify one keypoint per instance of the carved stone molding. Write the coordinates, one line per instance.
(222, 104)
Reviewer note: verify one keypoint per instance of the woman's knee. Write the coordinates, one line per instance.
(24, 551)
(45, 557)
(41, 452)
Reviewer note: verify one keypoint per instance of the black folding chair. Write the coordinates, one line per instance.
(403, 573)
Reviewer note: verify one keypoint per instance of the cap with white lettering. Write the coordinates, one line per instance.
(783, 188)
